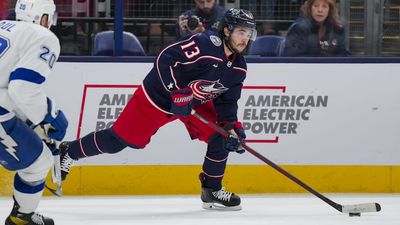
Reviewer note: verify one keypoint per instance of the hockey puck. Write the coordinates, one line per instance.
(354, 214)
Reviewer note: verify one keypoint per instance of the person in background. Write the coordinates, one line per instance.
(266, 12)
(317, 32)
(28, 117)
(205, 72)
(206, 15)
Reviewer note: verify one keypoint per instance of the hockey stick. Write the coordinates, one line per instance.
(56, 168)
(55, 192)
(353, 210)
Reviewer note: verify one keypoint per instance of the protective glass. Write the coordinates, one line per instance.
(245, 32)
(54, 19)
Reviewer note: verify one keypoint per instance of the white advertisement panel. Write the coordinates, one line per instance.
(294, 114)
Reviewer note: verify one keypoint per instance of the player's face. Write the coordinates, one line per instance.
(240, 37)
(205, 6)
(44, 21)
(320, 10)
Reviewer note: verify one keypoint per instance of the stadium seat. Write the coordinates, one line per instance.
(267, 45)
(104, 44)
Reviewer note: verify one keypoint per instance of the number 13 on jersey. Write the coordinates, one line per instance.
(190, 49)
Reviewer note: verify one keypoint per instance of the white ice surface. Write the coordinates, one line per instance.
(302, 209)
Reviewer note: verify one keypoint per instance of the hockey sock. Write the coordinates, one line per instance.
(27, 194)
(214, 165)
(214, 171)
(95, 143)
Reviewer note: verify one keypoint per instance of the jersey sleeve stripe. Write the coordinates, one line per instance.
(173, 77)
(200, 58)
(27, 75)
(240, 69)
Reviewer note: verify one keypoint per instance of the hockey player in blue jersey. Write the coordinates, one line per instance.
(205, 72)
(28, 51)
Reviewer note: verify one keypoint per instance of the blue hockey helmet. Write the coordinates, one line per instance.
(239, 17)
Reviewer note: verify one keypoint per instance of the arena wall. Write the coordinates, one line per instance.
(333, 124)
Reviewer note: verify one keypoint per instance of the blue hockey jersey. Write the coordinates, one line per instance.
(200, 63)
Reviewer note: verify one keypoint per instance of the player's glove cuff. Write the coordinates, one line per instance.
(181, 104)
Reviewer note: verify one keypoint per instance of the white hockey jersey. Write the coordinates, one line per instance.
(27, 55)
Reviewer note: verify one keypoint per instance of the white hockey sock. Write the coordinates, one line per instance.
(28, 202)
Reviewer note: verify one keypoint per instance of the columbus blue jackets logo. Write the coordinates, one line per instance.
(205, 90)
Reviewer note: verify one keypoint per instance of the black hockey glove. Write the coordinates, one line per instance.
(236, 138)
(181, 104)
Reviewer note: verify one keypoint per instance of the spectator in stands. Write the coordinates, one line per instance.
(317, 32)
(209, 16)
(266, 12)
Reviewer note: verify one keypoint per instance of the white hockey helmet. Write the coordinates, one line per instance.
(33, 10)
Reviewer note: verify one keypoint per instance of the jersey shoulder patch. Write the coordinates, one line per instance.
(215, 40)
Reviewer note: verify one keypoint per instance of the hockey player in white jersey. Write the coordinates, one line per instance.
(28, 51)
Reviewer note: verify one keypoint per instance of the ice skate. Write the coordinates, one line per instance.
(66, 160)
(219, 200)
(34, 218)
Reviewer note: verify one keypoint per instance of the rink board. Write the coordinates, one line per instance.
(248, 179)
(335, 125)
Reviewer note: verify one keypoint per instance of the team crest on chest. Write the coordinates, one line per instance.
(215, 40)
(205, 90)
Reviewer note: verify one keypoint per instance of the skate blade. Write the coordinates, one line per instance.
(216, 206)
